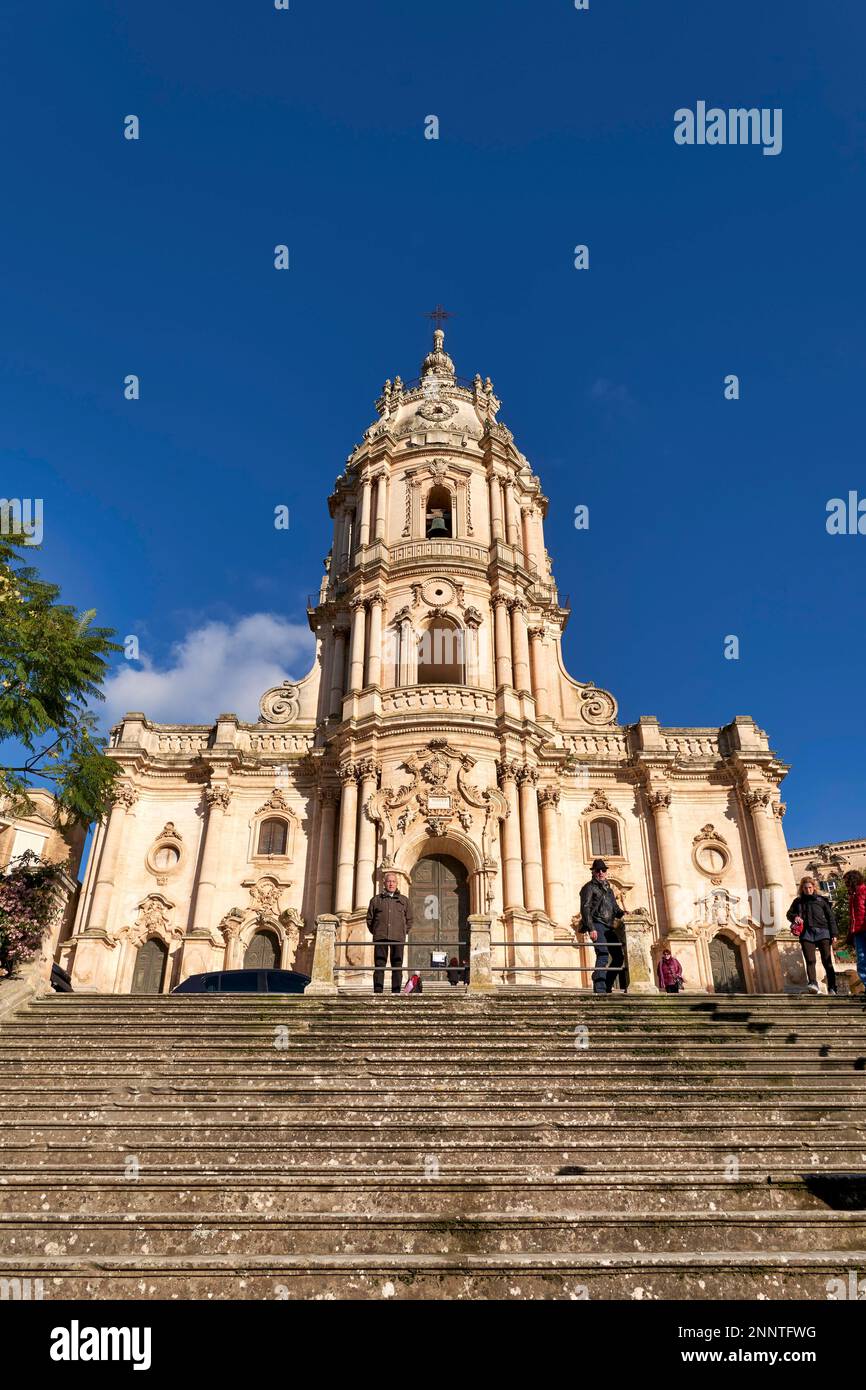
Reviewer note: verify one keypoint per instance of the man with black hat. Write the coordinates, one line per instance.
(599, 910)
(389, 918)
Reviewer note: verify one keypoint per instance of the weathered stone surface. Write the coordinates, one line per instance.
(523, 1146)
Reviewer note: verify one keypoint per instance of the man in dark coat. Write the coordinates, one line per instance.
(389, 918)
(599, 910)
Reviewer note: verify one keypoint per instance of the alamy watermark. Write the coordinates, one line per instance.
(22, 517)
(738, 125)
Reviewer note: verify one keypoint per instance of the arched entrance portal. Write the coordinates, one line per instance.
(263, 952)
(727, 967)
(150, 962)
(439, 895)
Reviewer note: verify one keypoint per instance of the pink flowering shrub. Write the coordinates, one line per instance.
(28, 905)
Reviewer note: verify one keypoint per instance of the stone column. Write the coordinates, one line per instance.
(512, 868)
(359, 633)
(408, 670)
(554, 888)
(538, 655)
(660, 803)
(533, 877)
(519, 644)
(364, 526)
(382, 507)
(502, 640)
(218, 798)
(125, 797)
(325, 864)
(471, 634)
(366, 870)
(497, 531)
(351, 536)
(338, 673)
(530, 539)
(348, 839)
(512, 516)
(760, 803)
(374, 658)
(343, 555)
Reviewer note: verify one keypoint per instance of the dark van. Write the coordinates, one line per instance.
(245, 982)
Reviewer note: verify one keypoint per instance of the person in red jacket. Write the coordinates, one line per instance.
(856, 885)
(670, 972)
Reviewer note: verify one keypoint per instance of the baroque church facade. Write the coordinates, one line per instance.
(438, 734)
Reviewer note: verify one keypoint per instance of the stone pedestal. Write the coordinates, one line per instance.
(324, 956)
(94, 964)
(638, 931)
(784, 962)
(480, 955)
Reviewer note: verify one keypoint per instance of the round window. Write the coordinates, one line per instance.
(166, 857)
(712, 859)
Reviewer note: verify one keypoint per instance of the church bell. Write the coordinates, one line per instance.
(438, 527)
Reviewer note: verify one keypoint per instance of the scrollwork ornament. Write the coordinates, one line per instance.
(280, 705)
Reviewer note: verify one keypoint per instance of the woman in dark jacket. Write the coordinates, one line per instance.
(812, 920)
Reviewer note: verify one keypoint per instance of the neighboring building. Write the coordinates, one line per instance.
(56, 841)
(438, 733)
(829, 863)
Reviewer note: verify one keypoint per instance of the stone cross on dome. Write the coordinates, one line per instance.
(438, 360)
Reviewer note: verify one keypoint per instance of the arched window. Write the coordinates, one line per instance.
(150, 962)
(272, 837)
(439, 522)
(441, 658)
(604, 837)
(263, 952)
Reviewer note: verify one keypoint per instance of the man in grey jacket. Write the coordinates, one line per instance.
(389, 918)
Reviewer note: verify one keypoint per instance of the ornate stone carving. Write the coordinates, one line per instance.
(759, 798)
(779, 809)
(218, 796)
(124, 794)
(598, 706)
(231, 924)
(659, 800)
(599, 802)
(280, 705)
(275, 802)
(265, 896)
(548, 796)
(709, 832)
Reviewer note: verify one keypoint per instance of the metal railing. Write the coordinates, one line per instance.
(464, 967)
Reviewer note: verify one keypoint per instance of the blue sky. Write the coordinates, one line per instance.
(258, 127)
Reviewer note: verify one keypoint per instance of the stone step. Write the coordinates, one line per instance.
(437, 1062)
(467, 1030)
(398, 1232)
(70, 1190)
(225, 1088)
(131, 1132)
(541, 1156)
(278, 1111)
(708, 1275)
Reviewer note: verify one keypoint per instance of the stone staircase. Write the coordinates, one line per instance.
(526, 1145)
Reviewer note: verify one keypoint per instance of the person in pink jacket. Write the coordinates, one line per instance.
(856, 886)
(670, 972)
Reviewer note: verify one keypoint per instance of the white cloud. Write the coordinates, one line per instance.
(610, 393)
(216, 668)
